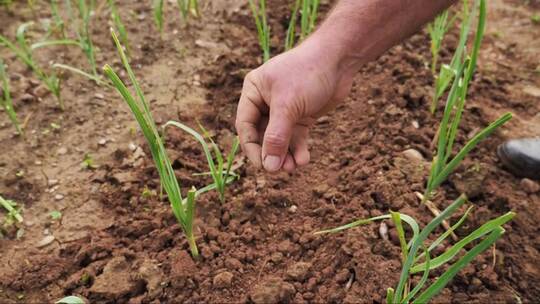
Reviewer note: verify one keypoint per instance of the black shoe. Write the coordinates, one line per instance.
(521, 157)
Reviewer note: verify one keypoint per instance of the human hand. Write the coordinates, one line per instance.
(281, 99)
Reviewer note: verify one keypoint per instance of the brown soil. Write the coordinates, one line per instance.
(115, 245)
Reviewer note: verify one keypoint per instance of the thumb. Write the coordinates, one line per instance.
(276, 139)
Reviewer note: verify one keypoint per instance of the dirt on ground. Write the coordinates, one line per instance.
(118, 242)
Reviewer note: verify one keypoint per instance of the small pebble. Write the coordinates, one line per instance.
(102, 142)
(529, 186)
(62, 151)
(38, 163)
(413, 155)
(293, 208)
(132, 146)
(99, 96)
(223, 279)
(59, 197)
(415, 124)
(53, 182)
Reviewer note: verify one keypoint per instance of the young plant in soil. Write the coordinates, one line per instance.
(13, 213)
(437, 29)
(448, 72)
(309, 10)
(416, 254)
(119, 25)
(157, 7)
(221, 173)
(443, 164)
(188, 7)
(183, 208)
(59, 25)
(23, 51)
(5, 98)
(263, 31)
(83, 35)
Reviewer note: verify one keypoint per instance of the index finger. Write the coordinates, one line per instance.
(248, 115)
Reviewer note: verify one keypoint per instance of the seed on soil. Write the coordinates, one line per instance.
(298, 271)
(529, 186)
(45, 241)
(383, 231)
(223, 279)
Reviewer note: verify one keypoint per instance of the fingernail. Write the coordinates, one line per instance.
(272, 163)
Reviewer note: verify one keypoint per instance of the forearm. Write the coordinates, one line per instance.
(358, 31)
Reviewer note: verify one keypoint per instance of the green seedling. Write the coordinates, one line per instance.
(157, 7)
(55, 215)
(59, 25)
(416, 254)
(263, 31)
(443, 164)
(119, 25)
(23, 51)
(5, 98)
(88, 162)
(188, 7)
(221, 172)
(13, 214)
(7, 3)
(97, 79)
(437, 29)
(83, 34)
(183, 208)
(309, 10)
(535, 18)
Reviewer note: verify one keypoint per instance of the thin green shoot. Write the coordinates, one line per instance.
(83, 34)
(308, 10)
(437, 29)
(11, 208)
(261, 22)
(183, 209)
(157, 7)
(188, 7)
(309, 13)
(24, 52)
(443, 164)
(94, 78)
(58, 21)
(6, 3)
(488, 233)
(221, 172)
(5, 98)
(119, 25)
(291, 30)
(448, 72)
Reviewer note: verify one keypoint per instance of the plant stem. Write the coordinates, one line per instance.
(192, 245)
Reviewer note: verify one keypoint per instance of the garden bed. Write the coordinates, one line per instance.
(117, 241)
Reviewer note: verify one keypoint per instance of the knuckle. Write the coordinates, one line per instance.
(275, 140)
